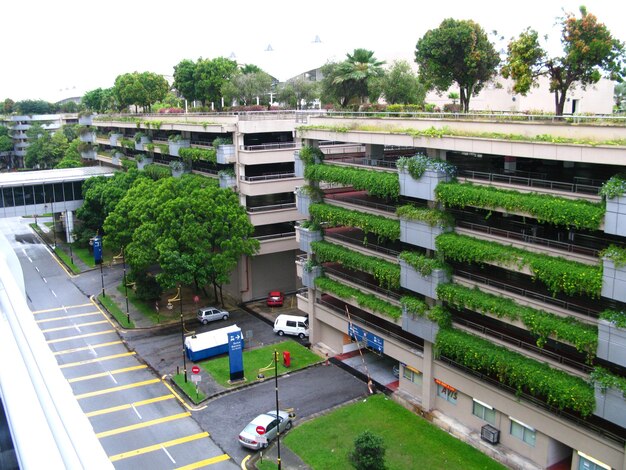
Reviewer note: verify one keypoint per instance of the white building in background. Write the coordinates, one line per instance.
(499, 96)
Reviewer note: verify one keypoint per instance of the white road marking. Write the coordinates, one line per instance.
(138, 415)
(45, 280)
(93, 351)
(53, 293)
(37, 268)
(168, 454)
(77, 328)
(115, 381)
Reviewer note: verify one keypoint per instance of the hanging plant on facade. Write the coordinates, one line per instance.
(333, 216)
(377, 183)
(418, 164)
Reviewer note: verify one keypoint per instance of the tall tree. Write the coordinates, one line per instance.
(210, 76)
(458, 51)
(184, 81)
(98, 100)
(589, 50)
(8, 106)
(295, 90)
(334, 91)
(140, 89)
(71, 158)
(30, 107)
(45, 150)
(246, 87)
(357, 71)
(6, 143)
(401, 86)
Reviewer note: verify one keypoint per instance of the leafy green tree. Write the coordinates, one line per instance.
(30, 107)
(458, 51)
(140, 89)
(357, 71)
(99, 100)
(70, 131)
(589, 49)
(184, 82)
(620, 96)
(71, 158)
(368, 452)
(69, 107)
(333, 91)
(209, 77)
(156, 87)
(297, 89)
(8, 106)
(246, 87)
(6, 143)
(400, 85)
(45, 150)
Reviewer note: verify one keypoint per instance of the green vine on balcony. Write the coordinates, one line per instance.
(377, 183)
(387, 274)
(436, 314)
(555, 387)
(544, 207)
(605, 380)
(618, 318)
(333, 216)
(194, 154)
(542, 324)
(615, 254)
(418, 164)
(363, 300)
(614, 187)
(558, 274)
(433, 217)
(422, 264)
(310, 155)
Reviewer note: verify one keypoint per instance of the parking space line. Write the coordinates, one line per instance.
(78, 315)
(36, 312)
(86, 335)
(61, 328)
(113, 409)
(204, 463)
(145, 424)
(97, 359)
(85, 348)
(108, 372)
(116, 389)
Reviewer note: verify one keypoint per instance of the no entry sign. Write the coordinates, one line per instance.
(195, 369)
(260, 430)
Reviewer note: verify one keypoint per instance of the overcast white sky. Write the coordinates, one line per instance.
(57, 49)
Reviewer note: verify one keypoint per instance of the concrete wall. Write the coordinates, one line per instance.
(283, 278)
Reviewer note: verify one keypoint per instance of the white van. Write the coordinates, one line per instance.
(291, 325)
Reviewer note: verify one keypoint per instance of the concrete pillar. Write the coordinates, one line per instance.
(374, 151)
(69, 226)
(436, 153)
(510, 164)
(428, 383)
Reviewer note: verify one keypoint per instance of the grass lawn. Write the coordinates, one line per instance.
(67, 260)
(146, 309)
(114, 310)
(261, 359)
(189, 387)
(411, 442)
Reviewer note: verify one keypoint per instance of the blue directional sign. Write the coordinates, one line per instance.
(235, 355)
(371, 340)
(97, 249)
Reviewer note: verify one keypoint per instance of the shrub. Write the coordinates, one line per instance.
(368, 452)
(382, 184)
(418, 164)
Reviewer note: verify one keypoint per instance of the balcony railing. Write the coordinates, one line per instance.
(272, 207)
(570, 248)
(276, 146)
(272, 176)
(359, 243)
(365, 161)
(361, 202)
(273, 236)
(528, 294)
(532, 182)
(526, 346)
(362, 283)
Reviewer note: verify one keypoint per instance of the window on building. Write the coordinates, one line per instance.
(522, 432)
(586, 462)
(447, 394)
(412, 375)
(484, 411)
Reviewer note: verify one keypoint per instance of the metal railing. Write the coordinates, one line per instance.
(362, 283)
(531, 182)
(536, 401)
(570, 248)
(361, 202)
(276, 235)
(271, 176)
(371, 326)
(528, 294)
(365, 161)
(277, 146)
(272, 207)
(526, 346)
(359, 243)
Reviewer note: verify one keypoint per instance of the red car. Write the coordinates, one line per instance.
(275, 299)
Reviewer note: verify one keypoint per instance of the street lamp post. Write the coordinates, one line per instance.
(182, 329)
(277, 416)
(125, 287)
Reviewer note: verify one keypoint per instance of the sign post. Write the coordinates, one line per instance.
(196, 377)
(235, 355)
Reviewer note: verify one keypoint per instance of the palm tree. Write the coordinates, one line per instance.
(356, 72)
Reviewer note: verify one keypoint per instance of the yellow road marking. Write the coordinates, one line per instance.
(86, 348)
(113, 409)
(182, 402)
(145, 450)
(78, 315)
(56, 309)
(71, 327)
(107, 373)
(204, 463)
(145, 424)
(116, 389)
(97, 359)
(86, 335)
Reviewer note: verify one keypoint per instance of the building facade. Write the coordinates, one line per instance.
(484, 258)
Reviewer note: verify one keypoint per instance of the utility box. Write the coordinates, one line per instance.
(286, 358)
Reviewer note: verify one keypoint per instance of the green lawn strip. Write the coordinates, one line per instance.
(325, 442)
(114, 310)
(189, 388)
(85, 256)
(66, 259)
(261, 358)
(146, 309)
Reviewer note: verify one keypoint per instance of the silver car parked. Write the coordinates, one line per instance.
(207, 314)
(268, 423)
